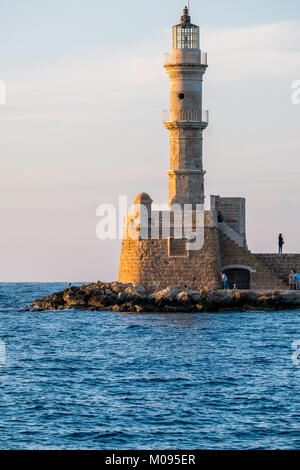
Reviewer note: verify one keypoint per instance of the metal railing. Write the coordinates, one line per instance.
(200, 59)
(187, 115)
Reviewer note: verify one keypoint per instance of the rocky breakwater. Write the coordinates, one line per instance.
(119, 297)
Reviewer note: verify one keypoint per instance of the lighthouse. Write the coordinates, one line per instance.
(186, 120)
(153, 253)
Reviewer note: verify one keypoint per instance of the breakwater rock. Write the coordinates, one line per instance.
(120, 297)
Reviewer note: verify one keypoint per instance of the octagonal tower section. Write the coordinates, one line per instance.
(186, 119)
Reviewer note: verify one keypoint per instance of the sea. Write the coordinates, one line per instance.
(104, 380)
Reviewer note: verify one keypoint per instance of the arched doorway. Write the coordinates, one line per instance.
(238, 276)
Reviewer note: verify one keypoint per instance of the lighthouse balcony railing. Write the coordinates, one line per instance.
(197, 59)
(192, 115)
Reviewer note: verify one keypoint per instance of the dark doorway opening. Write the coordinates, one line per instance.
(238, 277)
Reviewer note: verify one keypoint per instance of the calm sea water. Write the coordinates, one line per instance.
(91, 380)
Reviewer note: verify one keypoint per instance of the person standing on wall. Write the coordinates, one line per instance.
(280, 243)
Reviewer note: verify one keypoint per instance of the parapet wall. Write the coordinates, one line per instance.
(281, 265)
(150, 262)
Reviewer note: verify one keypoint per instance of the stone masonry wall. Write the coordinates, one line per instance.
(154, 262)
(232, 254)
(281, 265)
(148, 262)
(233, 210)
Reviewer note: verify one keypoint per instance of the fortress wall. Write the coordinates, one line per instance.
(263, 278)
(148, 262)
(281, 265)
(163, 262)
(132, 253)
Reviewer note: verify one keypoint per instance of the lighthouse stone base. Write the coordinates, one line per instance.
(167, 262)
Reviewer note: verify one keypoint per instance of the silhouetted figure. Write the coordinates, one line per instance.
(220, 217)
(280, 243)
(69, 285)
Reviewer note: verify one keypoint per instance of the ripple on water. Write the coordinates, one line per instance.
(102, 380)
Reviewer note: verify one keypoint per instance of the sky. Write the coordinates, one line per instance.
(82, 123)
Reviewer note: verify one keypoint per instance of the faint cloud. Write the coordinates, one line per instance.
(2, 92)
(291, 146)
(102, 81)
(263, 51)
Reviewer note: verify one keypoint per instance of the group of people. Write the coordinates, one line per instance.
(294, 280)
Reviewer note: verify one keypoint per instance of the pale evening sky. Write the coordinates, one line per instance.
(83, 123)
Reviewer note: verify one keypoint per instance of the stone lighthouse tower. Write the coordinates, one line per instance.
(154, 253)
(186, 120)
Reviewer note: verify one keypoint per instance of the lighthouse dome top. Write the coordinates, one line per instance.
(185, 19)
(185, 34)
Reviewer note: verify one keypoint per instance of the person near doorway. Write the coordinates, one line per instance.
(225, 281)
